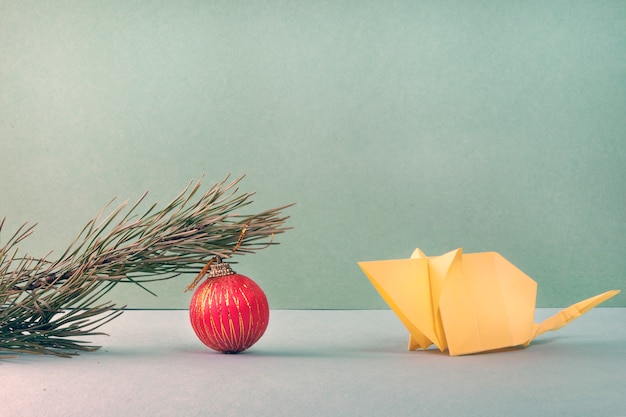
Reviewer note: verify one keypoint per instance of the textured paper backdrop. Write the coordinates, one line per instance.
(392, 124)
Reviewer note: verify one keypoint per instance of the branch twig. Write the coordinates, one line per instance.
(45, 305)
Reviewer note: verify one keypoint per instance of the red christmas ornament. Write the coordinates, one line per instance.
(228, 311)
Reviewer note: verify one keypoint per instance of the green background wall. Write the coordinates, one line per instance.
(486, 125)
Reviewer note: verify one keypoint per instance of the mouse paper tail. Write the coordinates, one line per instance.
(570, 313)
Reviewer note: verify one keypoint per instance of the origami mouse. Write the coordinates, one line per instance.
(467, 303)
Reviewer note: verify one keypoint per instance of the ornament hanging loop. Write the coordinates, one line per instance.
(201, 275)
(215, 267)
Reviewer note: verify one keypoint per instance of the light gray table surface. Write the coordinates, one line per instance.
(322, 363)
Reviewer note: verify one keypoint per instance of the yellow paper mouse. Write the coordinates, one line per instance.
(466, 303)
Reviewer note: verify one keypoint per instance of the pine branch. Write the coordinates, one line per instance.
(46, 304)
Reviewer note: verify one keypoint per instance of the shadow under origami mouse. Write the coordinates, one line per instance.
(467, 303)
